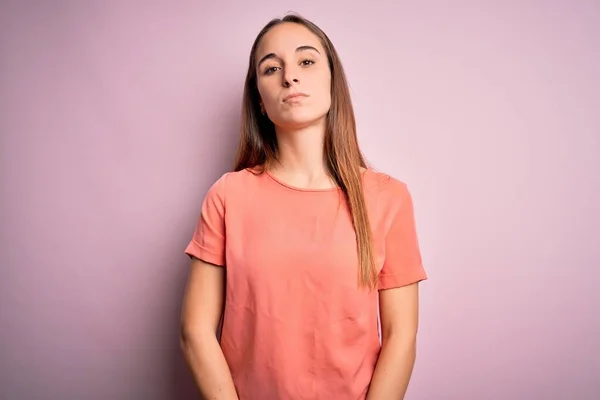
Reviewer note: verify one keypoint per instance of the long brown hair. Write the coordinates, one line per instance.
(258, 143)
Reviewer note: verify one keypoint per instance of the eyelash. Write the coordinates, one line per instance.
(269, 70)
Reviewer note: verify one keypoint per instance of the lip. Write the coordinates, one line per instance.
(293, 96)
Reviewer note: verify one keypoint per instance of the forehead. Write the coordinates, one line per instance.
(287, 37)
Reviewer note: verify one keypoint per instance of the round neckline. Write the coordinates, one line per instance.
(300, 189)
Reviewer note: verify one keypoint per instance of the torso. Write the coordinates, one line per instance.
(296, 325)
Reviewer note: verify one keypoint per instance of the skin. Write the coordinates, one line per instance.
(294, 61)
(201, 312)
(290, 59)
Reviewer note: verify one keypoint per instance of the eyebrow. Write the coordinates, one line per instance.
(273, 55)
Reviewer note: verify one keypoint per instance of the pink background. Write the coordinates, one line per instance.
(116, 118)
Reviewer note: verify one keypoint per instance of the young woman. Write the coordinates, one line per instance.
(301, 248)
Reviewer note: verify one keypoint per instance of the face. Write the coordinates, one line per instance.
(293, 77)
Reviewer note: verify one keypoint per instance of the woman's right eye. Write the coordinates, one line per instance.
(270, 70)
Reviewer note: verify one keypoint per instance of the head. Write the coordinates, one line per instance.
(293, 77)
(293, 56)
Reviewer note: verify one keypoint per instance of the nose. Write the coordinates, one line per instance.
(290, 77)
(287, 83)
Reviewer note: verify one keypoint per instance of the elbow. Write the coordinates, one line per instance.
(193, 335)
(404, 347)
(189, 342)
(184, 336)
(404, 340)
(189, 336)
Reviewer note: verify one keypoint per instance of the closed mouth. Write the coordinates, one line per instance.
(293, 95)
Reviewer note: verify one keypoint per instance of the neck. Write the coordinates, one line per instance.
(301, 154)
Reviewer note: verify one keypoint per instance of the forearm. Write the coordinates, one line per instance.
(208, 366)
(394, 368)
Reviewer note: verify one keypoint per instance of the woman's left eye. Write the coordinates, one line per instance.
(307, 62)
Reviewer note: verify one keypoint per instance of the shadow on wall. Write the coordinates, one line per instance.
(221, 161)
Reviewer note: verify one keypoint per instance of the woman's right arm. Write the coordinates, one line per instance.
(201, 313)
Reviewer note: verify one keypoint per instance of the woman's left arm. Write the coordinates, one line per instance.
(399, 310)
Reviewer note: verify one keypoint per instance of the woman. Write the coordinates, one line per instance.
(303, 246)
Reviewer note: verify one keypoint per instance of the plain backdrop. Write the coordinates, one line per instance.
(116, 117)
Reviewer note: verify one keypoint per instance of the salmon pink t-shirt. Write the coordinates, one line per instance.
(296, 325)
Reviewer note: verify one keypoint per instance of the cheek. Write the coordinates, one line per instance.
(324, 90)
(266, 92)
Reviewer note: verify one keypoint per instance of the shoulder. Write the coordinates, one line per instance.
(385, 187)
(233, 183)
(388, 196)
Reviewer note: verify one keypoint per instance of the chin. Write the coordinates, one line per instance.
(299, 119)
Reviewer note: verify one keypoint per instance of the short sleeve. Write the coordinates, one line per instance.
(208, 240)
(402, 265)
